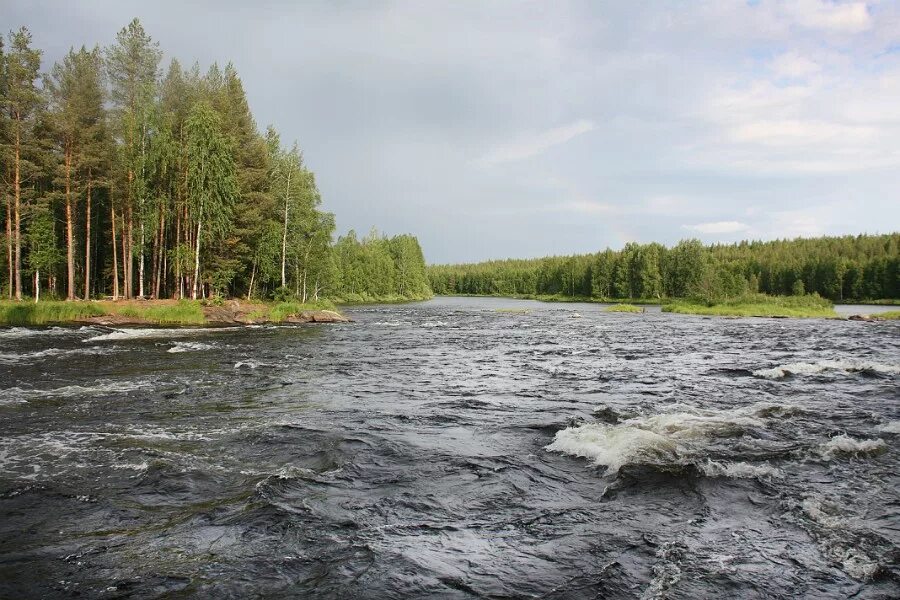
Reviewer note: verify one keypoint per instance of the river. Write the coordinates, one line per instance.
(456, 448)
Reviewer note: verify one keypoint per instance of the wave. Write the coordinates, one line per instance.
(20, 332)
(17, 394)
(843, 365)
(16, 357)
(889, 427)
(250, 363)
(138, 333)
(434, 324)
(189, 347)
(738, 470)
(844, 445)
(836, 537)
(388, 323)
(678, 436)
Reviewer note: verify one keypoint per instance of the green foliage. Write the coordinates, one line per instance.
(864, 267)
(169, 187)
(44, 313)
(626, 308)
(759, 305)
(184, 312)
(380, 269)
(283, 294)
(891, 315)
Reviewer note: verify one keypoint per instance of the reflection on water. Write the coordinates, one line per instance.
(459, 448)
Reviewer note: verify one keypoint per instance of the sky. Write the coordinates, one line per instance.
(521, 129)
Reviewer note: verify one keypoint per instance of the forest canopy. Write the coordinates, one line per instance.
(864, 267)
(124, 179)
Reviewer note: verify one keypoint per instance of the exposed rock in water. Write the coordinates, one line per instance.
(317, 316)
(868, 318)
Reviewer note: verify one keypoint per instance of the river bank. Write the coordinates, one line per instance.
(166, 312)
(750, 305)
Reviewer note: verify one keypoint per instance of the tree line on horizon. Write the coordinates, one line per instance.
(863, 267)
(122, 181)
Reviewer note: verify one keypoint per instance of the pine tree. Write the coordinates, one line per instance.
(132, 64)
(22, 103)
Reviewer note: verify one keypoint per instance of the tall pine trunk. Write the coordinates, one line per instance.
(287, 193)
(197, 258)
(141, 263)
(9, 242)
(17, 188)
(115, 269)
(87, 240)
(70, 242)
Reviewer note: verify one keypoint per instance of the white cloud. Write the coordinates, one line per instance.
(811, 222)
(792, 65)
(532, 145)
(794, 132)
(715, 227)
(589, 207)
(852, 17)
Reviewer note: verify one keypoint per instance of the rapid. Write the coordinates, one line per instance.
(456, 448)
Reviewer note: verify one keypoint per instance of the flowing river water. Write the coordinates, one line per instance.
(454, 449)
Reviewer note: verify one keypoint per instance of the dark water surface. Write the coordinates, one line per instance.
(450, 450)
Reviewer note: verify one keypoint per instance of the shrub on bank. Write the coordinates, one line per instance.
(758, 305)
(625, 308)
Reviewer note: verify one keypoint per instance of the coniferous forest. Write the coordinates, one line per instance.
(865, 267)
(126, 179)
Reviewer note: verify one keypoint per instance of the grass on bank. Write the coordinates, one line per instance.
(182, 312)
(891, 315)
(45, 313)
(282, 310)
(758, 305)
(624, 308)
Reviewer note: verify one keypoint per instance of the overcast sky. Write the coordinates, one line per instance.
(513, 129)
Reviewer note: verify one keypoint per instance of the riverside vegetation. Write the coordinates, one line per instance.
(121, 181)
(795, 278)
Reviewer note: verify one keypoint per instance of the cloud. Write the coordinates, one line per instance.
(792, 65)
(852, 17)
(532, 145)
(788, 132)
(478, 126)
(715, 227)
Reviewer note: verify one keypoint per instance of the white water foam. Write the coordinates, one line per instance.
(20, 332)
(856, 562)
(844, 445)
(889, 427)
(250, 363)
(434, 324)
(674, 437)
(189, 347)
(738, 470)
(149, 333)
(98, 388)
(844, 365)
(14, 357)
